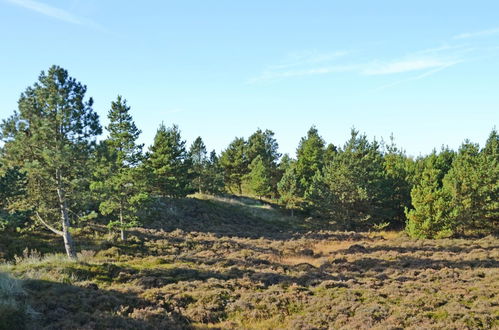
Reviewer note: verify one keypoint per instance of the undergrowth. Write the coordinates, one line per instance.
(297, 279)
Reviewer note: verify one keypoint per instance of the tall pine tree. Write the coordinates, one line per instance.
(169, 163)
(51, 138)
(117, 177)
(199, 161)
(351, 190)
(263, 144)
(260, 177)
(310, 158)
(288, 188)
(234, 161)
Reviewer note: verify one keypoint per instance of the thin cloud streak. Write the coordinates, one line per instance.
(372, 68)
(56, 13)
(402, 66)
(421, 76)
(429, 60)
(275, 75)
(305, 58)
(47, 10)
(477, 34)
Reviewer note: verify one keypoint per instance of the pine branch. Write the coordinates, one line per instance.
(58, 232)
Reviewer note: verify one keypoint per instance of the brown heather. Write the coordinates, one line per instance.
(257, 279)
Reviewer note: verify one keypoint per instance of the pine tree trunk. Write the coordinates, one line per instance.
(122, 228)
(292, 213)
(69, 244)
(66, 234)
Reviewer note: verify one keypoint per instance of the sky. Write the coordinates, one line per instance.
(425, 71)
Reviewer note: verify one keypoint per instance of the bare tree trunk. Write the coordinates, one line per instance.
(66, 235)
(122, 227)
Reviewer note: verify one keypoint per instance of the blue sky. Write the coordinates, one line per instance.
(426, 71)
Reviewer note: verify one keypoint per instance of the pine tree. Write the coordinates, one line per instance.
(263, 144)
(351, 190)
(117, 180)
(472, 188)
(490, 182)
(429, 215)
(12, 191)
(51, 138)
(234, 161)
(213, 178)
(260, 177)
(169, 163)
(398, 171)
(199, 160)
(329, 153)
(310, 158)
(288, 188)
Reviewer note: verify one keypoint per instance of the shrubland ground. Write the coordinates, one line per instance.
(239, 263)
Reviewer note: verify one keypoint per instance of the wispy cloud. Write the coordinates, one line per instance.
(306, 63)
(408, 65)
(421, 76)
(476, 34)
(371, 68)
(54, 12)
(280, 74)
(47, 10)
(416, 65)
(309, 57)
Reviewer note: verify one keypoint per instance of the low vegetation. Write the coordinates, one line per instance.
(257, 276)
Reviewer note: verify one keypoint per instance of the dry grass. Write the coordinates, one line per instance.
(389, 235)
(238, 264)
(321, 280)
(297, 260)
(327, 247)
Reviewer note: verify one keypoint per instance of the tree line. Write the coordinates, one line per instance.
(54, 172)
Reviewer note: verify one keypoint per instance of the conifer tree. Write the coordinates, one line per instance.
(351, 190)
(234, 161)
(199, 160)
(260, 177)
(213, 178)
(169, 163)
(310, 158)
(285, 162)
(398, 171)
(428, 218)
(12, 192)
(263, 144)
(490, 182)
(117, 179)
(472, 187)
(329, 153)
(288, 188)
(51, 138)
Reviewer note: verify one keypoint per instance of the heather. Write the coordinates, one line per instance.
(305, 278)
